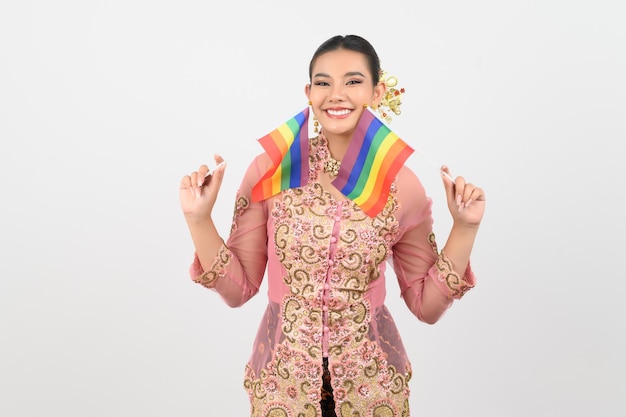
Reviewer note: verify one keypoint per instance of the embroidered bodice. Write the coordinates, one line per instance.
(326, 268)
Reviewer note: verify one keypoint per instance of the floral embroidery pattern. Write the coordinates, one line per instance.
(331, 252)
(217, 270)
(458, 286)
(241, 204)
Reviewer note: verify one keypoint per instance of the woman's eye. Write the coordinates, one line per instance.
(354, 82)
(321, 83)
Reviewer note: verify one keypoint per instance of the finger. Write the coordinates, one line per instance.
(481, 194)
(203, 171)
(448, 182)
(467, 192)
(196, 183)
(460, 188)
(219, 163)
(467, 196)
(445, 173)
(218, 167)
(185, 182)
(218, 159)
(476, 195)
(216, 177)
(188, 183)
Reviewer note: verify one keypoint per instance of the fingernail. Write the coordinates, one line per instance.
(467, 203)
(458, 200)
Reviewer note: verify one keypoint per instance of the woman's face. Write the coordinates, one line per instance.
(341, 83)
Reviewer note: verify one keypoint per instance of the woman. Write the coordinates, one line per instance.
(327, 344)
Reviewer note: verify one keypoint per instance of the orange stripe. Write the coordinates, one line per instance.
(390, 166)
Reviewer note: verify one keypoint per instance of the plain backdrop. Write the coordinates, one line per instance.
(105, 105)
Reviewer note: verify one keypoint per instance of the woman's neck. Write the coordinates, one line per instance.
(338, 145)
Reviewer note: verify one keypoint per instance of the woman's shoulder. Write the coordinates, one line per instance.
(408, 181)
(259, 165)
(410, 192)
(262, 159)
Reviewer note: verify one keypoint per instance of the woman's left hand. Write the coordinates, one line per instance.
(466, 202)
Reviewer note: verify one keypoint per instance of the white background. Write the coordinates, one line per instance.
(105, 105)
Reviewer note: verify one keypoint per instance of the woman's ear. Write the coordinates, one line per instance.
(307, 90)
(379, 93)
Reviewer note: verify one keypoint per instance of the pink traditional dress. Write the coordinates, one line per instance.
(326, 261)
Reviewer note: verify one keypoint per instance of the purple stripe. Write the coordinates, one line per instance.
(354, 149)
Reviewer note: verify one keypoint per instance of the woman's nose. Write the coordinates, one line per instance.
(337, 93)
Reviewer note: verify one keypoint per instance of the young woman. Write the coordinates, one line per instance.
(327, 344)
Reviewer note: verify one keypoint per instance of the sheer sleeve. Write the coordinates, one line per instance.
(238, 269)
(428, 284)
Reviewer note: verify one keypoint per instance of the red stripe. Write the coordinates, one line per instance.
(271, 143)
(395, 158)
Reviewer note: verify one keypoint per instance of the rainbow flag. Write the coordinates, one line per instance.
(288, 148)
(374, 157)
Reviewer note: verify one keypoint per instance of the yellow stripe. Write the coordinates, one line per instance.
(383, 150)
(276, 180)
(287, 135)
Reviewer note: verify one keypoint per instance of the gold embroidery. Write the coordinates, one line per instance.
(303, 221)
(217, 270)
(241, 204)
(458, 286)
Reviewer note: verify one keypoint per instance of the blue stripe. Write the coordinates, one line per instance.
(296, 161)
(357, 169)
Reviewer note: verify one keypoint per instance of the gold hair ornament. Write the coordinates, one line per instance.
(392, 99)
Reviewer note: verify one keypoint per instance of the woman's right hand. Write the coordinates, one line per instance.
(198, 191)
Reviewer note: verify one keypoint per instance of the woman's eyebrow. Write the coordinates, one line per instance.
(347, 74)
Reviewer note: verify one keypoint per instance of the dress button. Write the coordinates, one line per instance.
(326, 329)
(325, 354)
(333, 239)
(331, 262)
(326, 286)
(337, 218)
(325, 308)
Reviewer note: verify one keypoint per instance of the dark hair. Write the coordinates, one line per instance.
(352, 43)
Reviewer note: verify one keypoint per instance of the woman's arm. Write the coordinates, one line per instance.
(429, 279)
(234, 268)
(466, 203)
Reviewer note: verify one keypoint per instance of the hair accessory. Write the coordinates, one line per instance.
(392, 99)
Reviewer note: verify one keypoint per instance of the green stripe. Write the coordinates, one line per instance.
(285, 173)
(293, 125)
(381, 134)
